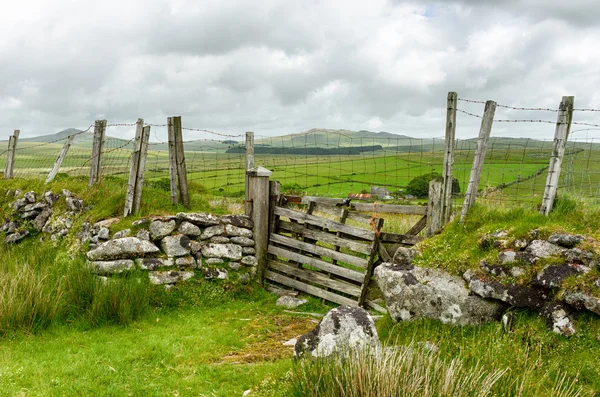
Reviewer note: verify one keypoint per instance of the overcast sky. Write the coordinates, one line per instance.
(278, 67)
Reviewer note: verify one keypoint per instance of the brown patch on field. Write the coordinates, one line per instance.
(265, 341)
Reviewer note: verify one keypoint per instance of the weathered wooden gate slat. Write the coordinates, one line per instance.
(326, 237)
(318, 278)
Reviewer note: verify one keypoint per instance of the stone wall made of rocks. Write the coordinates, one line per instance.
(171, 248)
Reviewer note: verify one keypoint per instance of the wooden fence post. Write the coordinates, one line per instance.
(482, 142)
(434, 208)
(259, 196)
(139, 182)
(172, 161)
(98, 146)
(561, 135)
(249, 166)
(10, 155)
(133, 170)
(60, 159)
(184, 194)
(449, 157)
(274, 193)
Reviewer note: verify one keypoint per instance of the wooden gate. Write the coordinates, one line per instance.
(329, 258)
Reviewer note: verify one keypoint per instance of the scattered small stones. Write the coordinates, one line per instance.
(215, 273)
(290, 302)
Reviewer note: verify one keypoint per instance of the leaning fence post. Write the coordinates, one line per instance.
(258, 183)
(133, 170)
(434, 208)
(482, 141)
(60, 159)
(10, 155)
(184, 193)
(98, 146)
(139, 181)
(249, 166)
(561, 134)
(449, 157)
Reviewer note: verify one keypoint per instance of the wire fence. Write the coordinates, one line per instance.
(337, 163)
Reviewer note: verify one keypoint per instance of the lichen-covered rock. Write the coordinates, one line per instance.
(169, 277)
(492, 269)
(558, 318)
(290, 302)
(234, 231)
(122, 233)
(565, 240)
(249, 261)
(30, 197)
(201, 219)
(242, 241)
(541, 249)
(234, 265)
(514, 294)
(214, 261)
(517, 271)
(403, 258)
(341, 329)
(111, 267)
(74, 204)
(582, 300)
(552, 276)
(508, 256)
(248, 251)
(40, 221)
(228, 251)
(189, 229)
(238, 220)
(218, 240)
(153, 263)
(143, 234)
(579, 256)
(215, 273)
(195, 246)
(16, 237)
(212, 231)
(185, 262)
(124, 248)
(160, 228)
(178, 245)
(432, 293)
(103, 233)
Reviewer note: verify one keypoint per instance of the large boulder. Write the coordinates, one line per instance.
(432, 293)
(342, 328)
(123, 248)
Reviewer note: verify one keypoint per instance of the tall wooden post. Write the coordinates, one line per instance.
(10, 155)
(434, 208)
(177, 167)
(249, 166)
(60, 159)
(449, 157)
(561, 135)
(482, 142)
(172, 161)
(258, 183)
(133, 169)
(98, 146)
(139, 182)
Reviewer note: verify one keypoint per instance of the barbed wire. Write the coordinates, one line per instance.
(54, 141)
(212, 132)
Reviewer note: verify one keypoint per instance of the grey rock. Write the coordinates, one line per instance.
(143, 234)
(558, 319)
(122, 233)
(212, 231)
(509, 256)
(30, 214)
(185, 262)
(290, 302)
(492, 269)
(238, 220)
(214, 261)
(16, 237)
(403, 258)
(111, 267)
(189, 229)
(553, 275)
(432, 293)
(242, 241)
(234, 231)
(219, 240)
(67, 193)
(201, 219)
(11, 227)
(517, 271)
(19, 204)
(579, 256)
(514, 294)
(235, 265)
(519, 244)
(161, 228)
(169, 277)
(195, 246)
(582, 300)
(215, 273)
(339, 330)
(74, 204)
(542, 249)
(248, 251)
(105, 223)
(229, 251)
(140, 222)
(249, 261)
(178, 245)
(153, 263)
(123, 248)
(40, 221)
(103, 233)
(31, 197)
(566, 240)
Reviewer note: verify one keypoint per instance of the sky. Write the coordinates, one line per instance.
(279, 67)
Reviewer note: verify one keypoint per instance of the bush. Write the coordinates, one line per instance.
(419, 186)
